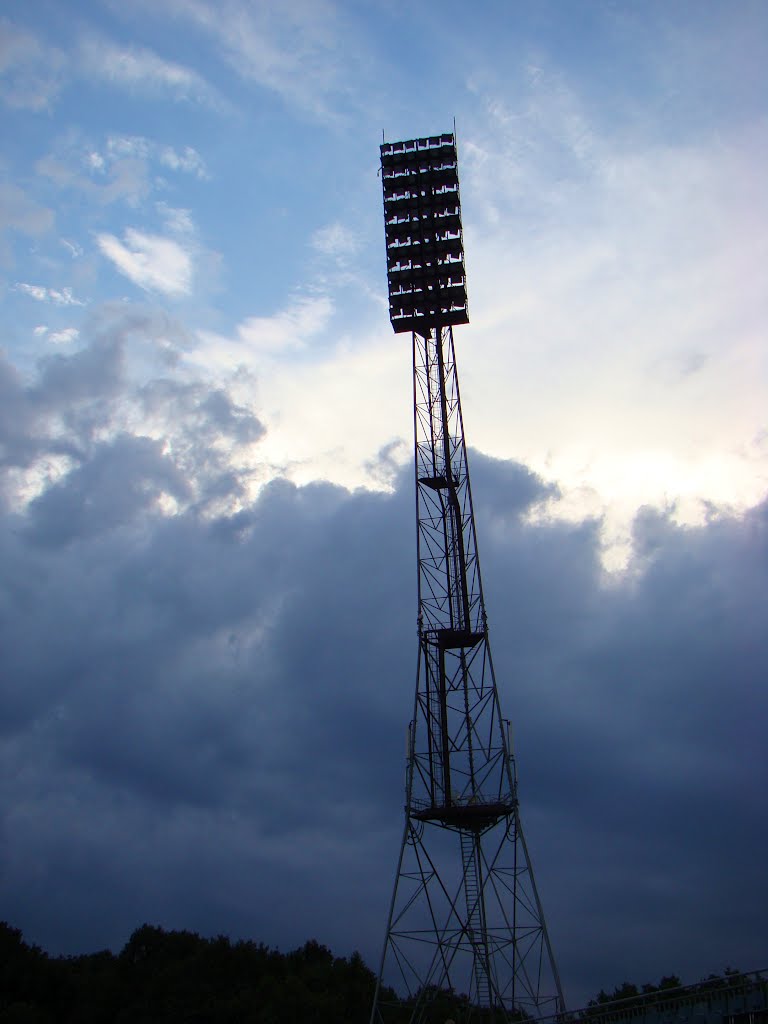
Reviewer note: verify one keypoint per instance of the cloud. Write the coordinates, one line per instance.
(335, 241)
(61, 337)
(120, 479)
(115, 385)
(55, 417)
(288, 330)
(292, 50)
(187, 159)
(74, 166)
(143, 71)
(65, 336)
(59, 297)
(222, 670)
(152, 262)
(118, 170)
(234, 684)
(571, 224)
(207, 670)
(31, 73)
(74, 250)
(177, 221)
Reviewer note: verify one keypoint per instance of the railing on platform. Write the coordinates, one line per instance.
(738, 998)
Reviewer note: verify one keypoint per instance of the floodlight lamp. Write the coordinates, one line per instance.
(422, 226)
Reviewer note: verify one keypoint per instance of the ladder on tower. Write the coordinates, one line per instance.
(475, 925)
(438, 742)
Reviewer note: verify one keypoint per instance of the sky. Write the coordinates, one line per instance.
(208, 585)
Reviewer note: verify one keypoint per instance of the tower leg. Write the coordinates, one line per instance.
(466, 938)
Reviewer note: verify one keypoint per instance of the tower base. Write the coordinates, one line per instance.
(466, 939)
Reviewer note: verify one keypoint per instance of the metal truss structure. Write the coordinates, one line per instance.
(466, 934)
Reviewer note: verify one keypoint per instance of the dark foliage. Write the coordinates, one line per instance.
(165, 977)
(172, 977)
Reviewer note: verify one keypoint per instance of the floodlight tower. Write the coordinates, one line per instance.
(465, 917)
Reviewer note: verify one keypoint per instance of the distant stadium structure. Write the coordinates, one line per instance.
(733, 998)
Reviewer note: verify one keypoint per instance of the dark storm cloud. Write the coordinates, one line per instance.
(119, 480)
(71, 395)
(641, 738)
(203, 715)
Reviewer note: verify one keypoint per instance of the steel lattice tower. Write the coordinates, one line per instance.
(465, 916)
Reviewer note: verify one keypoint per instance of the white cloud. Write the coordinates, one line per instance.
(336, 241)
(297, 50)
(286, 332)
(64, 337)
(139, 147)
(176, 220)
(150, 261)
(620, 278)
(59, 297)
(74, 250)
(310, 398)
(328, 416)
(119, 146)
(95, 161)
(123, 179)
(188, 160)
(144, 71)
(120, 169)
(289, 329)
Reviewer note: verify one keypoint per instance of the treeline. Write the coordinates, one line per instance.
(628, 990)
(165, 977)
(170, 977)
